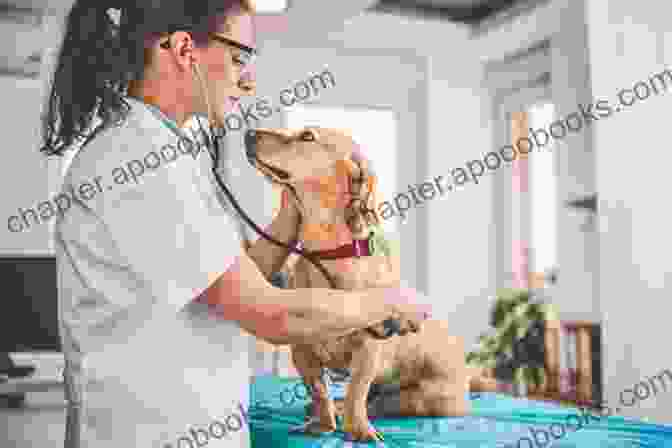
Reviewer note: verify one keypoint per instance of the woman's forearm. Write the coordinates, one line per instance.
(320, 314)
(294, 316)
(288, 316)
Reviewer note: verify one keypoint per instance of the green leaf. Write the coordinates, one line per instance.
(541, 373)
(380, 243)
(504, 324)
(521, 310)
(521, 331)
(529, 375)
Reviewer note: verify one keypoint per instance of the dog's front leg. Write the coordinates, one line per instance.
(364, 368)
(324, 412)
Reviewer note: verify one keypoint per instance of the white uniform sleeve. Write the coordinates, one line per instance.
(172, 231)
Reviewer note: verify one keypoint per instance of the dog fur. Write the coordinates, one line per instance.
(317, 164)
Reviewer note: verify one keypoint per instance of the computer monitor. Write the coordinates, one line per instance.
(29, 305)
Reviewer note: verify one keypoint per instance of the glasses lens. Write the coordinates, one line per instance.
(246, 58)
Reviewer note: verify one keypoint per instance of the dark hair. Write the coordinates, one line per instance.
(99, 57)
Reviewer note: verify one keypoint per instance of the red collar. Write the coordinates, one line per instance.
(358, 248)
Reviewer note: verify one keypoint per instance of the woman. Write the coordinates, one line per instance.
(154, 282)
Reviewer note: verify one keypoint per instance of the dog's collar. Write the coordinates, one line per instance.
(357, 248)
(375, 244)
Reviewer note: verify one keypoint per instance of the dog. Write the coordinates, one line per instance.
(336, 196)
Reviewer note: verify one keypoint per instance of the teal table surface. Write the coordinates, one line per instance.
(496, 421)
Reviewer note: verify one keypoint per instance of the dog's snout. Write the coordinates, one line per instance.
(251, 144)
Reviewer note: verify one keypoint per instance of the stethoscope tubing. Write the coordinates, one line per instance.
(391, 326)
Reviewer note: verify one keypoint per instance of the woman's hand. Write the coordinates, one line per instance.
(411, 306)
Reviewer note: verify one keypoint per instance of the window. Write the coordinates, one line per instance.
(533, 199)
(375, 130)
(270, 6)
(543, 197)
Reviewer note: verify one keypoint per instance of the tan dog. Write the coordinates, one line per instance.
(316, 163)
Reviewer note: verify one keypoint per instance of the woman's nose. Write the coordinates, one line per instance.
(247, 81)
(251, 144)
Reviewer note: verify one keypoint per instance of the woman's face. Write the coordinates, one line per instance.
(222, 66)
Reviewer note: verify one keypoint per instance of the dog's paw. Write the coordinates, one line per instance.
(362, 433)
(313, 427)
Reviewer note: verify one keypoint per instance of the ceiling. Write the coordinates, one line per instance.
(23, 42)
(470, 12)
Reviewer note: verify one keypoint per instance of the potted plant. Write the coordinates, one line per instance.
(514, 347)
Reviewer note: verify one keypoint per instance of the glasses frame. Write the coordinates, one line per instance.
(249, 52)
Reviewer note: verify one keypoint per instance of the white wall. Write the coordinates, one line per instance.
(23, 174)
(629, 42)
(575, 162)
(459, 248)
(563, 23)
(27, 177)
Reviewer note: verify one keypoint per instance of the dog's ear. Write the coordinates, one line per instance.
(347, 168)
(363, 188)
(372, 199)
(367, 188)
(370, 193)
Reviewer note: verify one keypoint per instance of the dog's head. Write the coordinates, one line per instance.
(318, 166)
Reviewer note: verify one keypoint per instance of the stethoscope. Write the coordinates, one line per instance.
(212, 145)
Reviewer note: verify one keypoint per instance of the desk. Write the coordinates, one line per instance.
(29, 384)
(48, 375)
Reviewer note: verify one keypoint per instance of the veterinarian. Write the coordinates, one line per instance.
(155, 284)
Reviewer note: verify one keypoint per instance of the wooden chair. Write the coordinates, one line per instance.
(576, 381)
(579, 382)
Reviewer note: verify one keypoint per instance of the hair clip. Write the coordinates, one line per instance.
(115, 15)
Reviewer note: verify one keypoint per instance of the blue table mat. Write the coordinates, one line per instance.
(496, 421)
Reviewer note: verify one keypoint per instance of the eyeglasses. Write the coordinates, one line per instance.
(249, 53)
(246, 57)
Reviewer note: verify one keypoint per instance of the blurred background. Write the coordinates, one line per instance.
(424, 86)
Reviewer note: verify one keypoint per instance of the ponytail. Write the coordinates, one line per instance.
(92, 72)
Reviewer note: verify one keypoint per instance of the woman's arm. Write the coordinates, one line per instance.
(284, 316)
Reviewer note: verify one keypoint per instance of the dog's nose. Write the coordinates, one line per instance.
(251, 144)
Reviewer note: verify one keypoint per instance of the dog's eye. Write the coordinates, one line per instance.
(307, 136)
